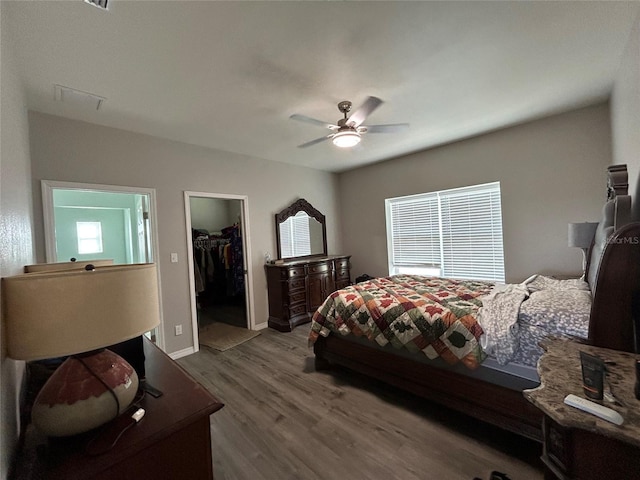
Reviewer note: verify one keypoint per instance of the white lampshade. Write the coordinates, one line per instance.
(57, 313)
(346, 139)
(581, 234)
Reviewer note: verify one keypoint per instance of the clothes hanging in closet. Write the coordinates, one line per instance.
(218, 264)
(235, 262)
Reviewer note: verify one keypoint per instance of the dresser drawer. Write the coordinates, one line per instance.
(298, 297)
(318, 268)
(296, 310)
(294, 272)
(342, 274)
(342, 263)
(296, 284)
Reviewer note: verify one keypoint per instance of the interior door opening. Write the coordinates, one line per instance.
(217, 243)
(92, 222)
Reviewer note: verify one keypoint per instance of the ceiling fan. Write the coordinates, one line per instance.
(349, 130)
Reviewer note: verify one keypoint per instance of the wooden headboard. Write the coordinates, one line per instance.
(613, 270)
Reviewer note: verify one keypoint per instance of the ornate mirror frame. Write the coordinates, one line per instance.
(301, 205)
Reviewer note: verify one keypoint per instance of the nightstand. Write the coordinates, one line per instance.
(578, 445)
(172, 441)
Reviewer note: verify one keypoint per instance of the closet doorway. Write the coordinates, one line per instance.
(218, 251)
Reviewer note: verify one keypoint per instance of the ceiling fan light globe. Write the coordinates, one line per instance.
(346, 139)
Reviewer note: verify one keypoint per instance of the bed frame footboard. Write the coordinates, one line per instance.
(500, 406)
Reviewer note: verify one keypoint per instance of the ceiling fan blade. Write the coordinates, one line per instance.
(313, 121)
(391, 128)
(361, 114)
(317, 140)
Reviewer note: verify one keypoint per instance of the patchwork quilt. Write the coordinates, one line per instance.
(436, 316)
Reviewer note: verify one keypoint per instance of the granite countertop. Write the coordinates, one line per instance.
(561, 374)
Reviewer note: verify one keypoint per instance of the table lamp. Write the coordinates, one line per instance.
(581, 236)
(57, 313)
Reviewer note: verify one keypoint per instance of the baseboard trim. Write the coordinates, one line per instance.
(182, 353)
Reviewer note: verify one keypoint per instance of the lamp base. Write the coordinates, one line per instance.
(85, 392)
(584, 264)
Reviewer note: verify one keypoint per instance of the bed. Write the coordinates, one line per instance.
(448, 364)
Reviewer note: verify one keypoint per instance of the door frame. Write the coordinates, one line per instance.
(246, 255)
(48, 186)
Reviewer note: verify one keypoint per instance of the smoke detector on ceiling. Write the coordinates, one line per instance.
(101, 4)
(77, 97)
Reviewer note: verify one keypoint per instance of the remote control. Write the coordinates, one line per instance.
(593, 408)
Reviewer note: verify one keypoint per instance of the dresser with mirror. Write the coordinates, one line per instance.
(304, 274)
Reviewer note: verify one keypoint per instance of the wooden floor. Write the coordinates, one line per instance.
(282, 420)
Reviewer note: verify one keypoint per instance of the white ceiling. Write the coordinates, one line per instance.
(228, 75)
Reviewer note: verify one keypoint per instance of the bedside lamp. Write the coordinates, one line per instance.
(78, 312)
(581, 236)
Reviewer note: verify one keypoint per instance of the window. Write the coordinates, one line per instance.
(89, 237)
(451, 233)
(294, 236)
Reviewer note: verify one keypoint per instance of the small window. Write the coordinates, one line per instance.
(450, 233)
(89, 237)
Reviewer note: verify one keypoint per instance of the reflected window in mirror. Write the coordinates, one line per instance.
(295, 236)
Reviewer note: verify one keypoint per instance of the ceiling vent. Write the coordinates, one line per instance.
(101, 4)
(77, 97)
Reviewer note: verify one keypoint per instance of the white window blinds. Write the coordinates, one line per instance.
(301, 241)
(459, 231)
(294, 236)
(416, 231)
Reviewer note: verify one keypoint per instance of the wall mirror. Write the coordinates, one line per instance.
(300, 231)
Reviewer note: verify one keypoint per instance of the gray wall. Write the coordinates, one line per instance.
(68, 150)
(16, 246)
(552, 171)
(625, 115)
(214, 214)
